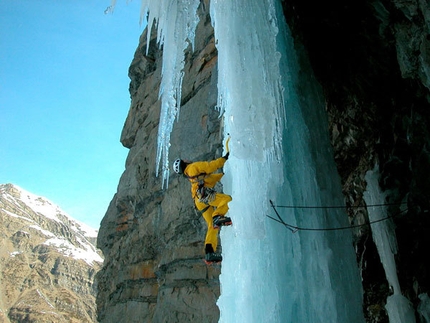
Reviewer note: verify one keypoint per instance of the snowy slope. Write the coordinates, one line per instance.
(69, 236)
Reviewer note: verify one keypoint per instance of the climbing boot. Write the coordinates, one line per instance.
(213, 257)
(221, 220)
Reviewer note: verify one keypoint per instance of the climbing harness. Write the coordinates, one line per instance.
(294, 229)
(205, 194)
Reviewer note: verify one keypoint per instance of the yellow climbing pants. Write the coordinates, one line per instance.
(218, 206)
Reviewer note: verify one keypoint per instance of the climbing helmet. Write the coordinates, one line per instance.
(177, 166)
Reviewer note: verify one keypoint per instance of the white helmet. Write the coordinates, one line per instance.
(177, 166)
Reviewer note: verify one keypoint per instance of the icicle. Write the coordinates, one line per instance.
(398, 307)
(176, 25)
(382, 233)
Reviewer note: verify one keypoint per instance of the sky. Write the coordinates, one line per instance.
(64, 99)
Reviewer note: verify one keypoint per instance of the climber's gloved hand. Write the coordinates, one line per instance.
(226, 156)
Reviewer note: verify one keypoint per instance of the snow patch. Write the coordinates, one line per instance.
(83, 228)
(40, 205)
(44, 298)
(18, 216)
(89, 255)
(45, 232)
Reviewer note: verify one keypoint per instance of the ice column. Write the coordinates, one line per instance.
(399, 308)
(176, 24)
(249, 80)
(250, 98)
(279, 150)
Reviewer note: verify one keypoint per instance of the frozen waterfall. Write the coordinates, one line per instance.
(280, 151)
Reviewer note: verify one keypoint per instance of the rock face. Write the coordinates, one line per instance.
(47, 261)
(152, 244)
(372, 60)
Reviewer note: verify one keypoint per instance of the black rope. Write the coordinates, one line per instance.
(294, 229)
(336, 206)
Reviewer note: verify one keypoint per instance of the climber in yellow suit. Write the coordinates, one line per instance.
(211, 204)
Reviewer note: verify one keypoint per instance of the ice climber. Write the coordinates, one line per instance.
(210, 203)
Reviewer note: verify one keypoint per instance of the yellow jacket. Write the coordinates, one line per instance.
(201, 172)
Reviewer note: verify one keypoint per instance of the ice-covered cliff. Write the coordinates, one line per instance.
(291, 78)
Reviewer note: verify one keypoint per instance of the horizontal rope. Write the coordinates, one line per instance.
(337, 206)
(294, 229)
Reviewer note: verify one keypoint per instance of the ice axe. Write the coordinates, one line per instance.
(226, 143)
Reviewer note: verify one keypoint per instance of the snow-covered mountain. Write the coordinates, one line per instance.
(48, 261)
